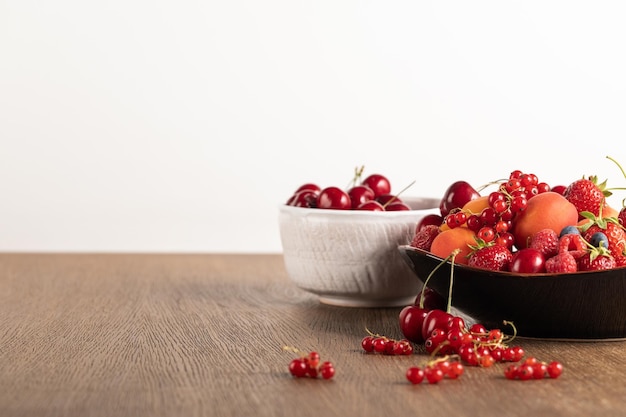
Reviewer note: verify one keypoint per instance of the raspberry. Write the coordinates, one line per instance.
(563, 262)
(572, 242)
(424, 238)
(545, 241)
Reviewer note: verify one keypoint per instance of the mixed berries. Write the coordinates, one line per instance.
(372, 193)
(570, 228)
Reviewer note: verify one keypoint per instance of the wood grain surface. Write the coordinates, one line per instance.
(202, 335)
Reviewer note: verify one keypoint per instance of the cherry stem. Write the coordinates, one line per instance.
(454, 253)
(618, 165)
(432, 273)
(395, 197)
(358, 171)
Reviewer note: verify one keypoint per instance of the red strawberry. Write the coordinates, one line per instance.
(596, 259)
(545, 241)
(587, 195)
(621, 217)
(424, 237)
(620, 261)
(610, 227)
(560, 263)
(493, 257)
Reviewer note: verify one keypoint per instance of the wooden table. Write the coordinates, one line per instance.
(202, 335)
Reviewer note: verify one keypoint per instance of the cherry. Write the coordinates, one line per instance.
(308, 186)
(378, 183)
(456, 196)
(397, 206)
(435, 319)
(360, 194)
(432, 299)
(560, 189)
(428, 220)
(528, 261)
(371, 205)
(333, 198)
(304, 198)
(387, 198)
(411, 320)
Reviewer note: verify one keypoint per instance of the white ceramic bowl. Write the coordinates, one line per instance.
(350, 257)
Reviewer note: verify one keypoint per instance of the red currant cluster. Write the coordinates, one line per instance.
(494, 222)
(309, 365)
(476, 346)
(531, 368)
(375, 343)
(372, 193)
(435, 370)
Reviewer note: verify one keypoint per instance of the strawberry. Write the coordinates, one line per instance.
(493, 257)
(596, 259)
(561, 262)
(545, 241)
(587, 195)
(610, 227)
(424, 237)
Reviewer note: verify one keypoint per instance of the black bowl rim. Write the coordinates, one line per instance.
(508, 274)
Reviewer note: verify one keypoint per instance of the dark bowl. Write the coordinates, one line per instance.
(582, 305)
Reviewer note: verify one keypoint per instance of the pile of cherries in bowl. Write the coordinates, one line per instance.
(372, 193)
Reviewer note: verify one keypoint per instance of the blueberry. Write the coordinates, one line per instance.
(568, 230)
(599, 239)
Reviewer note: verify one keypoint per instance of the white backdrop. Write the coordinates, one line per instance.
(180, 126)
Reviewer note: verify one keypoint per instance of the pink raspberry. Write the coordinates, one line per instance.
(561, 262)
(424, 238)
(545, 241)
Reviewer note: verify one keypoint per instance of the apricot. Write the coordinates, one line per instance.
(547, 210)
(477, 205)
(451, 239)
(474, 206)
(607, 211)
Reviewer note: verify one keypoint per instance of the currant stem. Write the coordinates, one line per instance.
(510, 323)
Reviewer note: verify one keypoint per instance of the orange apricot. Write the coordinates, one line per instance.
(477, 205)
(451, 239)
(547, 210)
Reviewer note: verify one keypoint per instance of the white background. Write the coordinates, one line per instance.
(180, 126)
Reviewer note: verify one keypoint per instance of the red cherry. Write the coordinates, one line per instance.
(371, 205)
(528, 261)
(560, 189)
(378, 183)
(304, 198)
(334, 198)
(397, 206)
(429, 219)
(435, 319)
(432, 299)
(309, 186)
(360, 194)
(411, 321)
(387, 198)
(456, 196)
